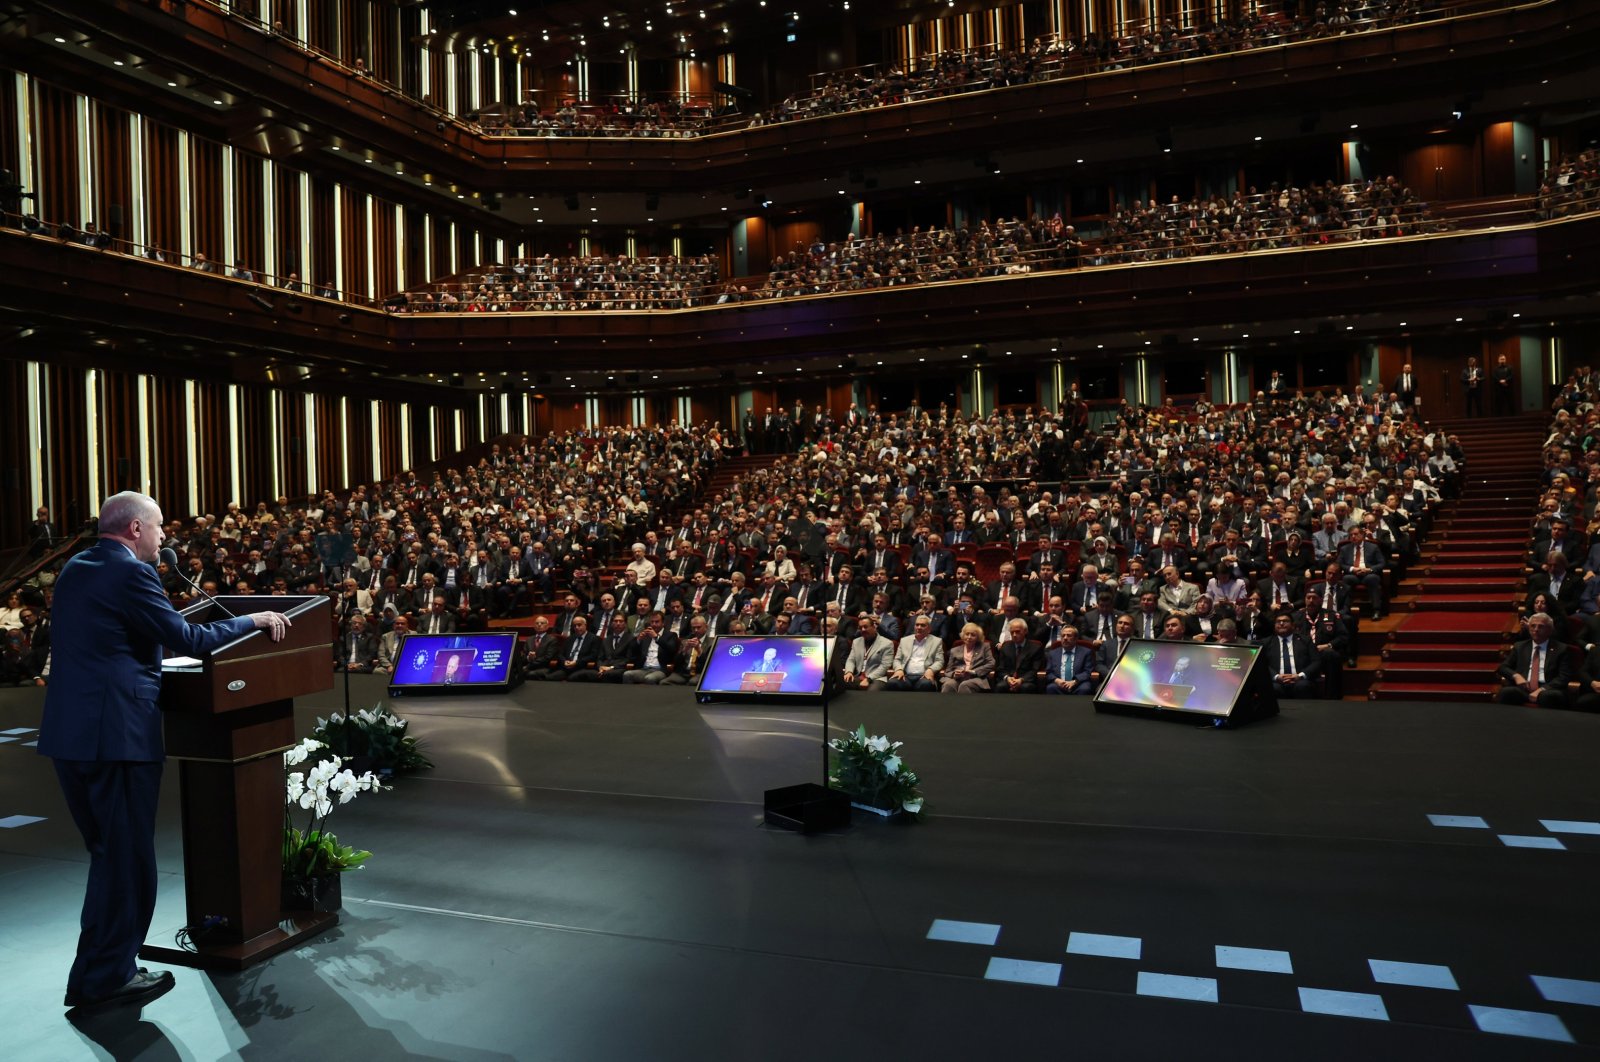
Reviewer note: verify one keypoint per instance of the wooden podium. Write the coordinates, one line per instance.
(228, 719)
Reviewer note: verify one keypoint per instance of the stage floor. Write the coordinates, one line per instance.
(584, 876)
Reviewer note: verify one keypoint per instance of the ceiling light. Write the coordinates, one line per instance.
(116, 62)
(917, 181)
(333, 147)
(61, 40)
(1460, 319)
(172, 84)
(1355, 125)
(217, 102)
(1258, 139)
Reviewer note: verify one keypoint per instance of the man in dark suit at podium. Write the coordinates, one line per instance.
(102, 727)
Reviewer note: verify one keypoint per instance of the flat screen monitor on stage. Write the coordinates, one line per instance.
(753, 666)
(1227, 682)
(444, 661)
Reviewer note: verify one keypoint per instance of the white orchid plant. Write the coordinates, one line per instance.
(374, 734)
(871, 770)
(314, 852)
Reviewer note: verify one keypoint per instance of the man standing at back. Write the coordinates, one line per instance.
(102, 727)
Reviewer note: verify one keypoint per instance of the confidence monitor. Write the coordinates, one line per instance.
(745, 668)
(1227, 684)
(453, 663)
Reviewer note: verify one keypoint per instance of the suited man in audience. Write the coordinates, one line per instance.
(1587, 698)
(1280, 590)
(540, 650)
(1558, 582)
(389, 644)
(693, 649)
(1047, 554)
(849, 596)
(358, 648)
(655, 653)
(1329, 635)
(1008, 585)
(438, 619)
(1502, 385)
(1537, 670)
(1472, 381)
(1017, 662)
(1292, 660)
(581, 653)
(918, 659)
(1112, 648)
(1069, 667)
(1405, 389)
(1363, 565)
(871, 658)
(616, 649)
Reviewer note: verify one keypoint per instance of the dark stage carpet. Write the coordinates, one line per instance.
(584, 876)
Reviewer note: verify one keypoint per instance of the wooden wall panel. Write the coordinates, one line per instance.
(354, 250)
(249, 222)
(385, 279)
(16, 496)
(206, 216)
(9, 158)
(321, 270)
(286, 224)
(163, 222)
(56, 146)
(113, 176)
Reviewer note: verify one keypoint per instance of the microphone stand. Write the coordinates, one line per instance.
(170, 559)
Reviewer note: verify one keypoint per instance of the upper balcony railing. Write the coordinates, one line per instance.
(1279, 220)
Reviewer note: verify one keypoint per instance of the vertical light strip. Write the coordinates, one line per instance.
(27, 165)
(450, 82)
(677, 246)
(455, 246)
(146, 478)
(372, 254)
(400, 278)
(527, 414)
(477, 247)
(269, 215)
(433, 435)
(685, 410)
(338, 238)
(631, 66)
(583, 79)
(505, 413)
(425, 67)
(91, 437)
(137, 214)
(229, 220)
(632, 247)
(638, 411)
(344, 443)
(310, 403)
(407, 443)
(86, 166)
(375, 412)
(35, 418)
(274, 430)
(427, 247)
(191, 406)
(185, 206)
(483, 417)
(303, 267)
(235, 445)
(302, 20)
(475, 72)
(683, 80)
(500, 250)
(459, 435)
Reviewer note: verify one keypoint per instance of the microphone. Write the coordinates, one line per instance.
(170, 559)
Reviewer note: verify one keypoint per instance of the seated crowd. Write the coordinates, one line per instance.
(670, 117)
(435, 552)
(1052, 57)
(1555, 662)
(552, 284)
(1572, 186)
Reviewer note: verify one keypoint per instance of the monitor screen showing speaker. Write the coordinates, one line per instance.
(442, 660)
(754, 665)
(1195, 677)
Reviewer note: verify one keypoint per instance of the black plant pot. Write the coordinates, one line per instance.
(321, 895)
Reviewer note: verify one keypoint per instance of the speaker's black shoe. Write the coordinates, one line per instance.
(144, 987)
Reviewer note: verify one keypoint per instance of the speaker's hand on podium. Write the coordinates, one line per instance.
(276, 624)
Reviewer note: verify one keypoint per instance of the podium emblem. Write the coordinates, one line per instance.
(236, 685)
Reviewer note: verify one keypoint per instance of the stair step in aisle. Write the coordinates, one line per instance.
(1458, 607)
